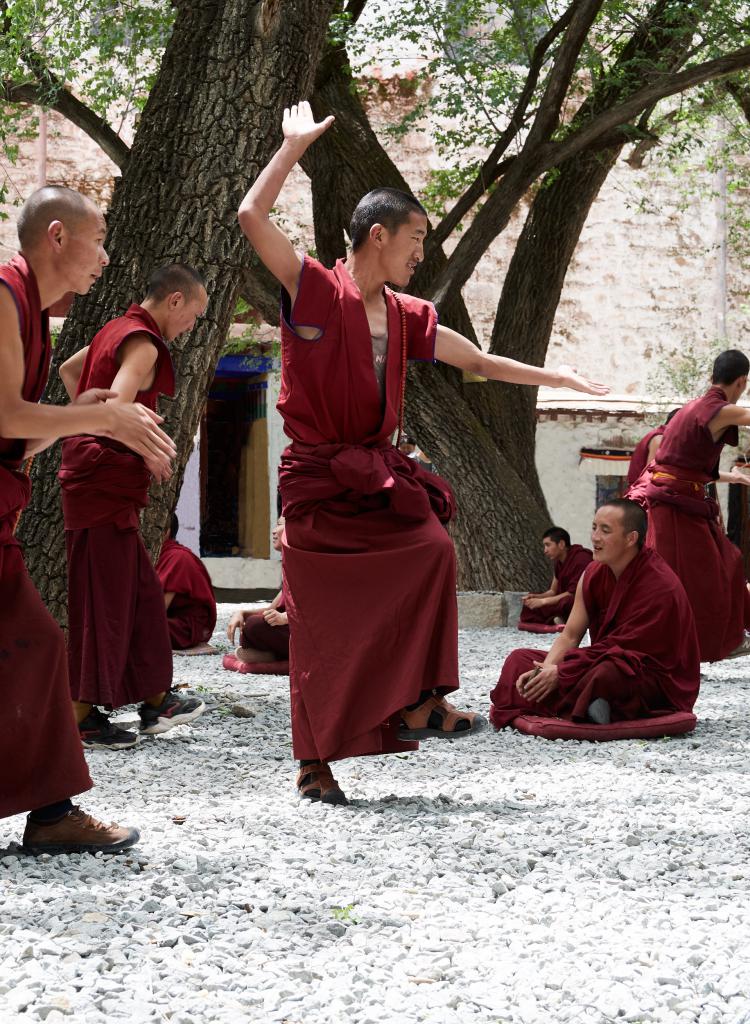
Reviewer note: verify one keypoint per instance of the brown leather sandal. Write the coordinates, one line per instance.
(315, 782)
(438, 719)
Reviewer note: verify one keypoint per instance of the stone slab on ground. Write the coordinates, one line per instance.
(496, 879)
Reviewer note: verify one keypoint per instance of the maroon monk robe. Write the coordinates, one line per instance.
(643, 657)
(567, 574)
(369, 570)
(639, 458)
(684, 524)
(261, 636)
(119, 650)
(41, 758)
(191, 616)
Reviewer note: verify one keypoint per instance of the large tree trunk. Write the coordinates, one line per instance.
(211, 122)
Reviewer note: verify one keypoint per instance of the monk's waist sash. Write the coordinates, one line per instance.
(15, 494)
(362, 478)
(102, 483)
(670, 485)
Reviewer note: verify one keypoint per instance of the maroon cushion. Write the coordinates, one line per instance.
(539, 627)
(675, 724)
(258, 668)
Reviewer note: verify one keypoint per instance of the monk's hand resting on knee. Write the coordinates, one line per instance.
(275, 618)
(236, 622)
(538, 683)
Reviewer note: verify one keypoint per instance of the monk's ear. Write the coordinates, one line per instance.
(376, 234)
(175, 300)
(55, 233)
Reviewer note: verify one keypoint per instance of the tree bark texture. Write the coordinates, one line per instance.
(211, 122)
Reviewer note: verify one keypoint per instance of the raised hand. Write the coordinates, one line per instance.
(300, 127)
(570, 378)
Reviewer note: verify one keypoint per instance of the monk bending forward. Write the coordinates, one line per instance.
(369, 570)
(643, 659)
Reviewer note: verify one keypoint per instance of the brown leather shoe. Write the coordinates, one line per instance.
(315, 782)
(78, 832)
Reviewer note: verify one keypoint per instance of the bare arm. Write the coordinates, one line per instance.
(133, 425)
(168, 598)
(269, 241)
(730, 415)
(277, 600)
(734, 476)
(71, 370)
(541, 681)
(138, 356)
(456, 350)
(653, 448)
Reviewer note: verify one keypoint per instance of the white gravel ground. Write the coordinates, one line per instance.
(496, 879)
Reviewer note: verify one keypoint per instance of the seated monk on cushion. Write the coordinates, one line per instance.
(188, 593)
(643, 659)
(264, 636)
(568, 562)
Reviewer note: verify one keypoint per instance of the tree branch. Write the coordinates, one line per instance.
(65, 103)
(553, 153)
(490, 170)
(608, 126)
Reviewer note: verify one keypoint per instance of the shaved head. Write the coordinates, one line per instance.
(48, 204)
(174, 277)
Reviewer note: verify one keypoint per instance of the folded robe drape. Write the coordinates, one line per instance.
(191, 616)
(685, 528)
(41, 758)
(119, 650)
(567, 574)
(369, 570)
(641, 626)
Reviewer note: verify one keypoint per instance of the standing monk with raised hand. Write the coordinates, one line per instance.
(365, 557)
(119, 649)
(42, 766)
(683, 520)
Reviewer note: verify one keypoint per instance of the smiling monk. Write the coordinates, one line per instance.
(369, 569)
(643, 659)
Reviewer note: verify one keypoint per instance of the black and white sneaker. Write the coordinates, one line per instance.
(172, 711)
(98, 733)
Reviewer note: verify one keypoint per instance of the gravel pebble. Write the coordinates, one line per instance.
(496, 879)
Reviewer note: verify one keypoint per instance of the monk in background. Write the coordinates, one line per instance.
(264, 634)
(684, 521)
(188, 592)
(643, 659)
(553, 606)
(646, 449)
(119, 651)
(42, 766)
(365, 551)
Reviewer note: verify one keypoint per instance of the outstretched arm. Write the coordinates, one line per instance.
(269, 241)
(455, 349)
